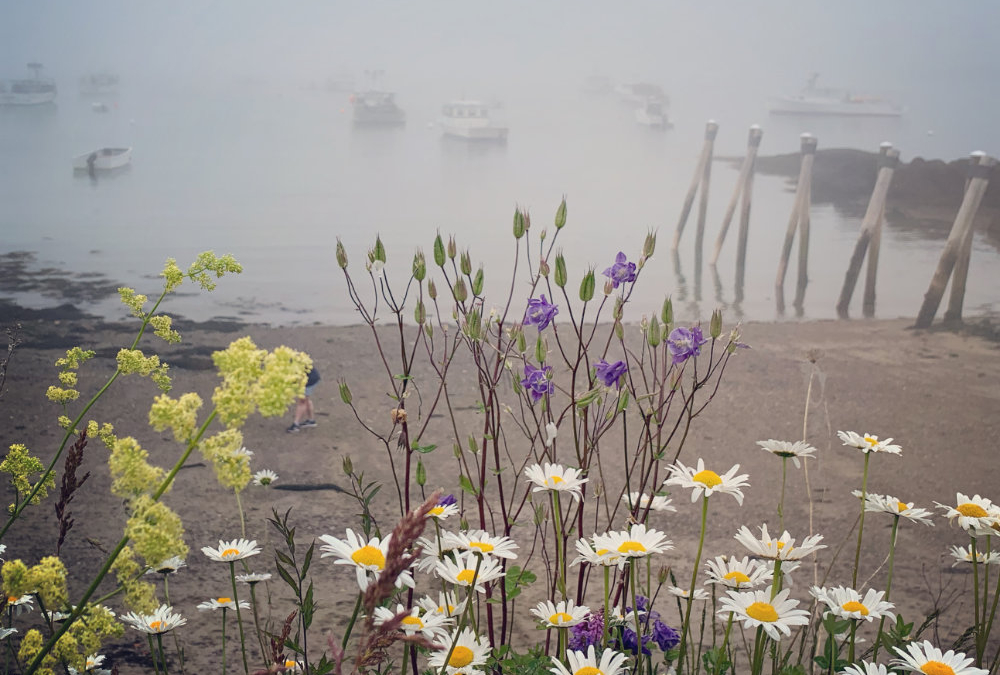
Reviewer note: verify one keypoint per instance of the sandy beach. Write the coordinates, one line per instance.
(935, 392)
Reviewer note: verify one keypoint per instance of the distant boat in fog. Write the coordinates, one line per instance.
(470, 120)
(33, 91)
(597, 84)
(815, 100)
(640, 92)
(377, 108)
(652, 113)
(99, 84)
(103, 159)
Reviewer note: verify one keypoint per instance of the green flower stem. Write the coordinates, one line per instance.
(635, 615)
(560, 554)
(694, 580)
(223, 641)
(980, 646)
(850, 649)
(239, 617)
(159, 647)
(82, 603)
(729, 627)
(462, 620)
(888, 584)
(350, 625)
(607, 591)
(777, 578)
(861, 524)
(406, 658)
(152, 653)
(243, 520)
(759, 642)
(781, 503)
(256, 622)
(993, 612)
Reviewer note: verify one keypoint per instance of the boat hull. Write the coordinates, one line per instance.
(489, 133)
(104, 159)
(839, 108)
(31, 98)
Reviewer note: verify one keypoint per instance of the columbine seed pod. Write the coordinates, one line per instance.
(429, 329)
(419, 266)
(653, 333)
(541, 350)
(561, 215)
(609, 287)
(457, 450)
(452, 248)
(715, 327)
(345, 393)
(518, 224)
(587, 286)
(473, 445)
(649, 245)
(619, 330)
(421, 474)
(465, 263)
(432, 290)
(477, 282)
(459, 291)
(438, 251)
(347, 465)
(473, 325)
(543, 268)
(419, 313)
(668, 313)
(522, 342)
(560, 270)
(619, 308)
(341, 255)
(379, 251)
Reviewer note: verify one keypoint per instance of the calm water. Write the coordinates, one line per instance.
(274, 174)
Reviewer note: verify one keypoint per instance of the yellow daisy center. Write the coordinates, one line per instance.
(222, 601)
(11, 599)
(708, 478)
(436, 511)
(631, 546)
(603, 551)
(554, 480)
(589, 670)
(155, 625)
(441, 609)
(466, 576)
(971, 510)
(761, 611)
(482, 546)
(460, 657)
(855, 606)
(369, 556)
(901, 507)
(871, 440)
(737, 576)
(289, 664)
(413, 621)
(559, 618)
(229, 553)
(936, 668)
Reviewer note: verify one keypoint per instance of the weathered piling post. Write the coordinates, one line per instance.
(741, 241)
(961, 273)
(870, 236)
(979, 173)
(746, 169)
(798, 220)
(703, 169)
(868, 300)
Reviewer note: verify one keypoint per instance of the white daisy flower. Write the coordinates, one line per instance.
(787, 449)
(481, 541)
(446, 605)
(847, 603)
(243, 452)
(638, 542)
(431, 625)
(24, 603)
(443, 511)
(6, 632)
(162, 620)
(556, 478)
(560, 615)
(231, 551)
(656, 503)
(875, 503)
(591, 553)
(469, 651)
(757, 608)
(264, 477)
(699, 593)
(222, 603)
(964, 554)
(587, 663)
(867, 443)
(94, 661)
(706, 482)
(865, 669)
(736, 573)
(923, 657)
(292, 666)
(168, 566)
(367, 557)
(782, 548)
(431, 551)
(976, 515)
(462, 570)
(253, 577)
(551, 431)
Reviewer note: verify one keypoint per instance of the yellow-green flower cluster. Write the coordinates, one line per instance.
(60, 395)
(65, 649)
(140, 596)
(21, 465)
(231, 468)
(133, 475)
(47, 580)
(207, 263)
(156, 532)
(179, 415)
(134, 361)
(95, 624)
(284, 379)
(172, 274)
(74, 358)
(252, 377)
(105, 432)
(15, 579)
(161, 324)
(134, 301)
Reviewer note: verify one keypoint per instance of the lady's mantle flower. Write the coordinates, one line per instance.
(560, 615)
(540, 312)
(264, 477)
(847, 603)
(222, 603)
(481, 541)
(580, 663)
(876, 503)
(735, 573)
(785, 449)
(536, 382)
(637, 542)
(432, 626)
(757, 608)
(782, 548)
(621, 272)
(162, 620)
(556, 478)
(462, 571)
(976, 515)
(924, 657)
(867, 443)
(683, 343)
(469, 651)
(702, 480)
(231, 551)
(368, 558)
(610, 373)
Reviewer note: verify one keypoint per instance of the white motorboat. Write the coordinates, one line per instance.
(377, 108)
(34, 91)
(470, 120)
(653, 114)
(815, 100)
(103, 159)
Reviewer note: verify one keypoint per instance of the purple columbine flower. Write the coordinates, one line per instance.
(629, 642)
(684, 343)
(540, 312)
(536, 382)
(622, 271)
(447, 500)
(610, 373)
(588, 632)
(665, 636)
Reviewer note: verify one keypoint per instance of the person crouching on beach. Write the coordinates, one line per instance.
(304, 404)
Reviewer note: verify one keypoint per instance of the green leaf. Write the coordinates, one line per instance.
(307, 561)
(424, 449)
(466, 484)
(283, 573)
(308, 607)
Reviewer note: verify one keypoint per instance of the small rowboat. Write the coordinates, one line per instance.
(103, 159)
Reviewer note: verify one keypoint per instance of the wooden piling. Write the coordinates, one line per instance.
(744, 231)
(961, 273)
(874, 248)
(870, 235)
(800, 207)
(746, 171)
(706, 178)
(711, 128)
(978, 180)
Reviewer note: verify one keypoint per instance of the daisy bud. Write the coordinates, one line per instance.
(345, 393)
(438, 251)
(421, 474)
(560, 271)
(452, 248)
(459, 291)
(465, 263)
(477, 282)
(715, 327)
(649, 245)
(347, 465)
(379, 251)
(341, 255)
(419, 266)
(432, 290)
(518, 224)
(668, 312)
(587, 286)
(561, 215)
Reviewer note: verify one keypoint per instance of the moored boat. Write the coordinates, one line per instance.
(103, 159)
(377, 108)
(470, 120)
(815, 100)
(33, 91)
(653, 114)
